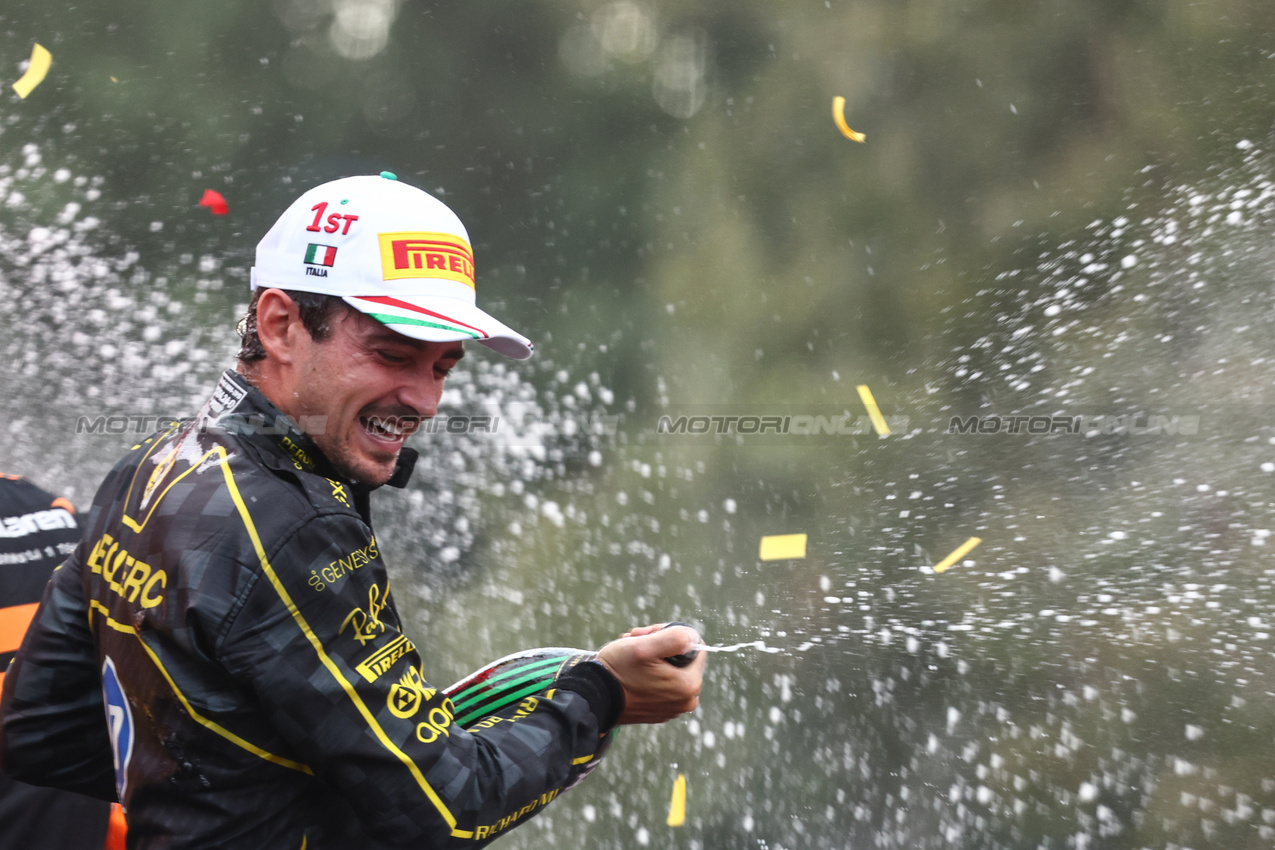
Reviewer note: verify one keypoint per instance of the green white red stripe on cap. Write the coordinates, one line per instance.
(393, 311)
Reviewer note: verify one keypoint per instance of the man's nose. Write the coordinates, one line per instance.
(421, 393)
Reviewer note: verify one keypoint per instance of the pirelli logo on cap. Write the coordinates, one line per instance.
(428, 255)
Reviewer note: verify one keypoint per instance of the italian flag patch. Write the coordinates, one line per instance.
(320, 255)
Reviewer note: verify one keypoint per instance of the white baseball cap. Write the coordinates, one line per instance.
(392, 252)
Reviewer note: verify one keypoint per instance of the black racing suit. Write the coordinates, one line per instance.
(223, 652)
(37, 532)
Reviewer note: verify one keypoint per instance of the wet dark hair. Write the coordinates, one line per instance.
(317, 312)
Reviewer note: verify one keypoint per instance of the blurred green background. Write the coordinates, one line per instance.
(1062, 208)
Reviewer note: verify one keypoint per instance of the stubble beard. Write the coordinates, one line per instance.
(355, 467)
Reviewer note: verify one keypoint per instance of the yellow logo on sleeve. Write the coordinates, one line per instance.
(407, 694)
(379, 662)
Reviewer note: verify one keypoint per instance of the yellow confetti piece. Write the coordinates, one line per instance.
(41, 61)
(778, 547)
(839, 115)
(677, 806)
(958, 554)
(878, 421)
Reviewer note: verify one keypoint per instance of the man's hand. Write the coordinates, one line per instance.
(655, 690)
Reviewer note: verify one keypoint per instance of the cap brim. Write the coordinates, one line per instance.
(436, 319)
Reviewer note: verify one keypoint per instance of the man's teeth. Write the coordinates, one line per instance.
(393, 429)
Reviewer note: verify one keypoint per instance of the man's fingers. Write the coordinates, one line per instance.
(655, 690)
(672, 640)
(641, 631)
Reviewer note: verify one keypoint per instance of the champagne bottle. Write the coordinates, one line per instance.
(515, 677)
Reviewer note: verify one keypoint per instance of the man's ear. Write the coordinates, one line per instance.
(279, 325)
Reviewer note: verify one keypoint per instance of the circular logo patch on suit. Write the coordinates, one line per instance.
(404, 700)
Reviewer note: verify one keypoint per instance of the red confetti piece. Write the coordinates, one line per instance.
(215, 202)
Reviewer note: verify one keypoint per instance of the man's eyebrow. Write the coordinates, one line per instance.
(385, 335)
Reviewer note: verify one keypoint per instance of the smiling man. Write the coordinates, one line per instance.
(362, 388)
(222, 652)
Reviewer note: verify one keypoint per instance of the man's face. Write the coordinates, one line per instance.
(373, 386)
